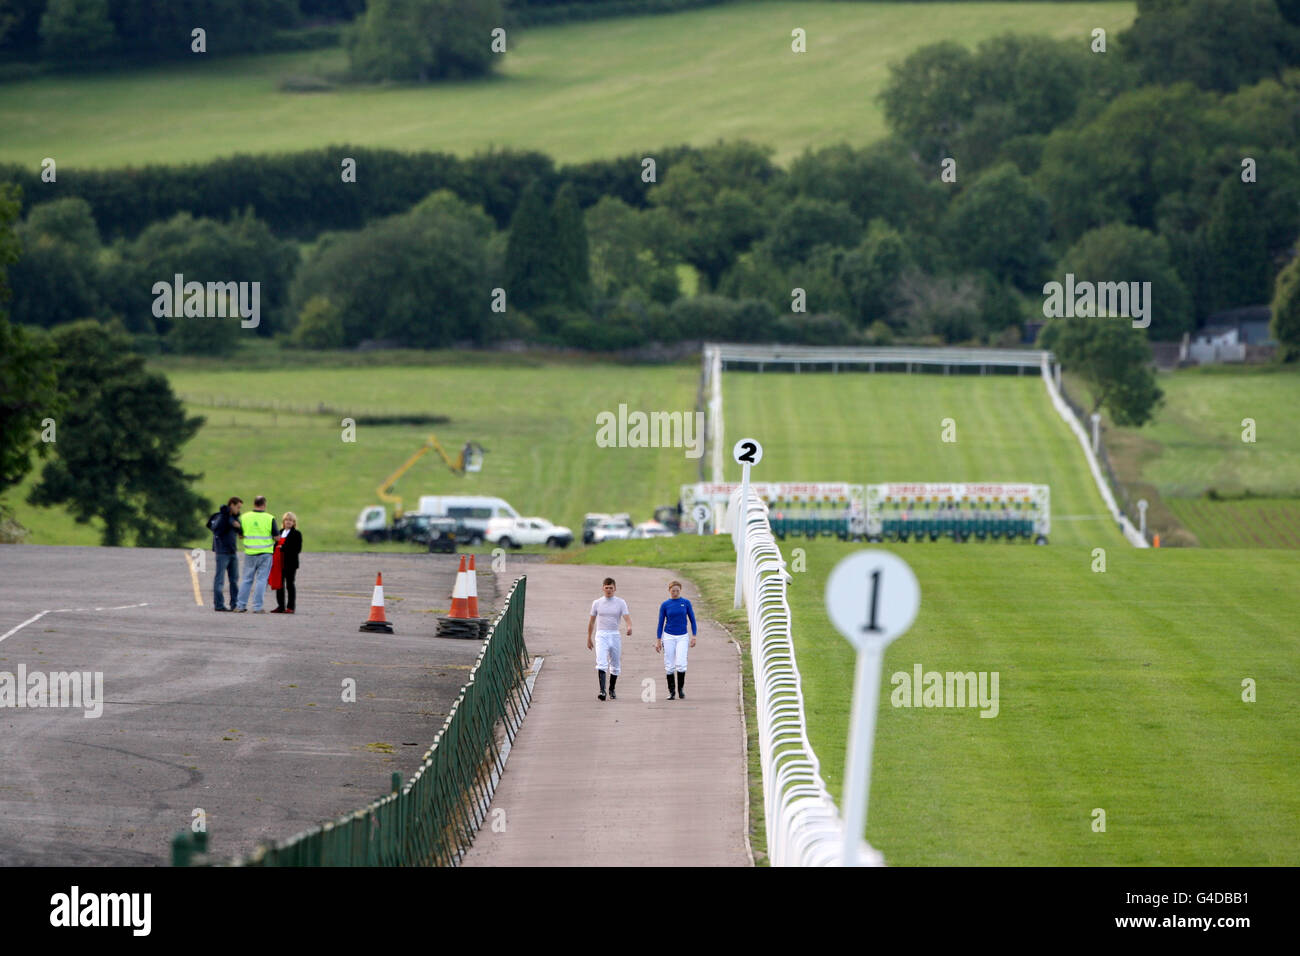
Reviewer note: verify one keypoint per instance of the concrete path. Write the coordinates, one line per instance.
(640, 781)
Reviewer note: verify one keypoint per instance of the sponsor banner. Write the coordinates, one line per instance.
(942, 491)
(774, 491)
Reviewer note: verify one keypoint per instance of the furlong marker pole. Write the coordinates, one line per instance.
(742, 519)
(892, 599)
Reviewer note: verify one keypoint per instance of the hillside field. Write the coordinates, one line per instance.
(537, 422)
(574, 91)
(1195, 448)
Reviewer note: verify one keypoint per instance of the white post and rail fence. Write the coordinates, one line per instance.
(803, 824)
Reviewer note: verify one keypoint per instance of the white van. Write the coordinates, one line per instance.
(471, 512)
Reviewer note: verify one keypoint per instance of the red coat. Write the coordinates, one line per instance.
(276, 580)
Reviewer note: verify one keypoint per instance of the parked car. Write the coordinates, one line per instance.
(589, 522)
(612, 529)
(651, 529)
(517, 532)
(470, 512)
(414, 527)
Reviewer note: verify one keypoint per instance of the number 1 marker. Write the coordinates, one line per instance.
(890, 611)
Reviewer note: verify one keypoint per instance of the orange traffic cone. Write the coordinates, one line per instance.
(1156, 543)
(376, 620)
(471, 600)
(460, 594)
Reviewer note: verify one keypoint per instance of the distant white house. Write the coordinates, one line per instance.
(1225, 337)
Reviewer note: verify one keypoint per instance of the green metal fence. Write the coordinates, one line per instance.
(432, 819)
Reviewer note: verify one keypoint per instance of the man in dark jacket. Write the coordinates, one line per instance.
(225, 544)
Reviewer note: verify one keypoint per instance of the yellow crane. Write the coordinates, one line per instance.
(470, 459)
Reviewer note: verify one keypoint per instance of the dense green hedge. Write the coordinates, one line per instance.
(538, 12)
(302, 194)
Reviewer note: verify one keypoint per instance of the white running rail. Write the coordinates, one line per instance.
(1125, 526)
(803, 825)
(713, 357)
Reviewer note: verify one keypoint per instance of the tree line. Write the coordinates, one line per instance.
(1008, 166)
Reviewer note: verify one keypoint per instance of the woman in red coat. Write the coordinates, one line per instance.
(284, 566)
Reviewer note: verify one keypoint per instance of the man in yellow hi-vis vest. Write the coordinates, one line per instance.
(259, 547)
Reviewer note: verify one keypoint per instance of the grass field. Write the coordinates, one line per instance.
(886, 427)
(1195, 446)
(1197, 435)
(1119, 690)
(1249, 523)
(577, 91)
(538, 424)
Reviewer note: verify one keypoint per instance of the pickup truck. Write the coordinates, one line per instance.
(517, 532)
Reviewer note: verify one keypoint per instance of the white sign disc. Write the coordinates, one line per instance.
(872, 597)
(700, 513)
(747, 452)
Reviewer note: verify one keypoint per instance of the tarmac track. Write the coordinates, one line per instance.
(240, 716)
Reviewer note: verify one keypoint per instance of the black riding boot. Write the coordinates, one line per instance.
(681, 684)
(601, 676)
(672, 688)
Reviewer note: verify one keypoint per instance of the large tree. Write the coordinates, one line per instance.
(805, 223)
(1114, 359)
(424, 39)
(1237, 246)
(28, 388)
(1119, 253)
(533, 276)
(879, 181)
(1155, 143)
(205, 250)
(716, 202)
(420, 278)
(999, 223)
(72, 30)
(944, 100)
(628, 252)
(1285, 325)
(1216, 44)
(57, 278)
(119, 440)
(569, 247)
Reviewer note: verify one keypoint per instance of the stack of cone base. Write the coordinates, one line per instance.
(464, 621)
(376, 620)
(465, 628)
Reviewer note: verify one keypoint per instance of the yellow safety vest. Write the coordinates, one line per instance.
(257, 532)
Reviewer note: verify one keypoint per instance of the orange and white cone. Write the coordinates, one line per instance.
(376, 621)
(471, 580)
(460, 594)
